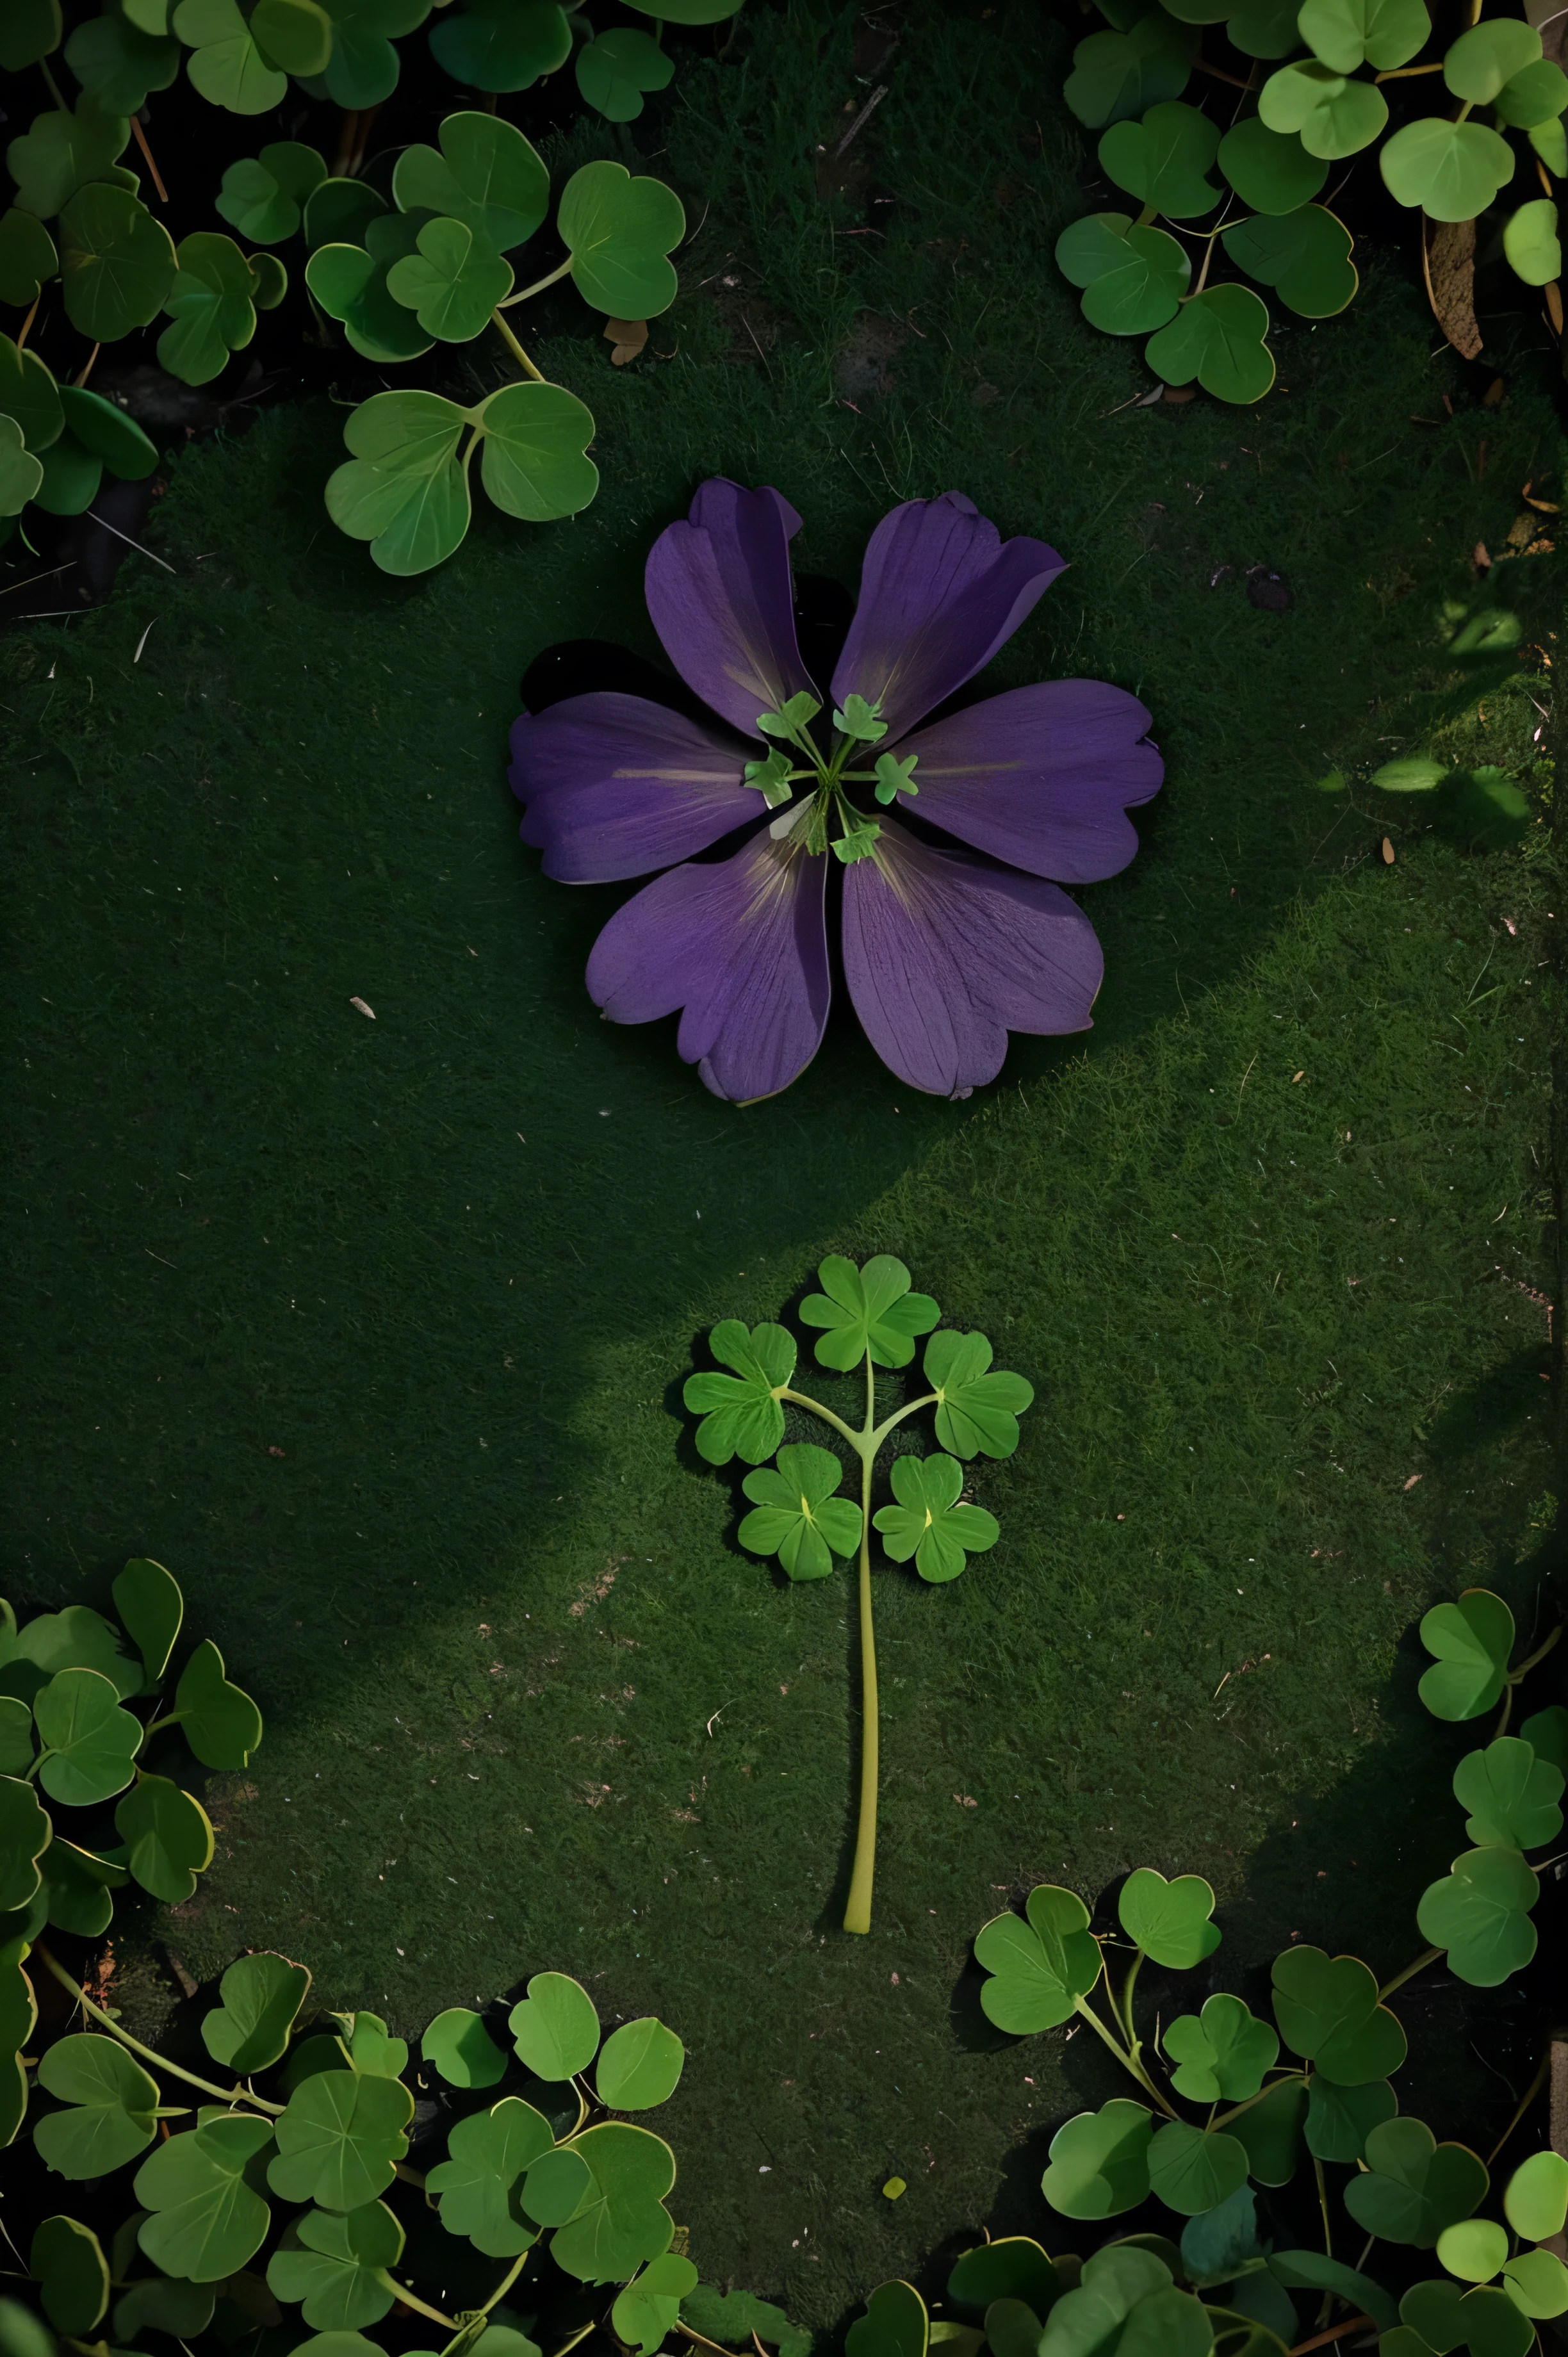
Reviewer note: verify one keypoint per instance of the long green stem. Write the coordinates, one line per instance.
(538, 286)
(517, 351)
(412, 2300)
(1128, 2062)
(1133, 2042)
(507, 2280)
(225, 2094)
(882, 1431)
(1223, 2119)
(857, 1915)
(1323, 2205)
(1525, 2101)
(799, 1399)
(1427, 1956)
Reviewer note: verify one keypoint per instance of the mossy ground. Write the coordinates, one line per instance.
(374, 1331)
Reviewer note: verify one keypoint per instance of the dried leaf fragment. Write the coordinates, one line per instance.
(1388, 861)
(626, 339)
(1547, 507)
(1480, 557)
(363, 1009)
(1448, 260)
(1412, 1482)
(1555, 307)
(1493, 395)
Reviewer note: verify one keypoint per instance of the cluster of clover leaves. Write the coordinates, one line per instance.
(1322, 103)
(866, 1319)
(431, 266)
(216, 2204)
(1222, 2281)
(70, 1746)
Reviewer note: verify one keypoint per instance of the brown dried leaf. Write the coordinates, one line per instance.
(627, 337)
(1555, 307)
(1388, 861)
(363, 1009)
(1523, 531)
(1448, 259)
(1181, 391)
(1547, 507)
(1493, 396)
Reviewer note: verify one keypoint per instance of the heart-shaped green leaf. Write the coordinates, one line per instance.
(1100, 2161)
(168, 1835)
(207, 2218)
(340, 2139)
(1340, 2119)
(1535, 2200)
(615, 72)
(78, 1886)
(1264, 28)
(896, 2324)
(1550, 141)
(371, 2050)
(117, 264)
(1169, 1921)
(1217, 2243)
(350, 283)
(619, 232)
(977, 1410)
(1304, 256)
(554, 2186)
(31, 30)
(1223, 2052)
(532, 458)
(1333, 116)
(28, 257)
(363, 68)
(20, 476)
(1039, 1968)
(869, 1310)
(1270, 170)
(1344, 34)
(555, 2028)
(1480, 63)
(294, 34)
(740, 1411)
(485, 176)
(24, 1834)
(119, 63)
(149, 1603)
(502, 45)
(1271, 2130)
(450, 287)
(1118, 75)
(1162, 161)
(647, 2309)
(60, 153)
(1014, 2266)
(269, 281)
(1511, 1794)
(261, 1995)
(211, 307)
(16, 1746)
(265, 197)
(1472, 1640)
(1431, 2310)
(28, 394)
(1453, 170)
(88, 1741)
(72, 2273)
(227, 64)
(1532, 243)
(1534, 97)
(621, 2221)
(1217, 338)
(462, 2049)
(1537, 2282)
(928, 1522)
(1474, 2250)
(1546, 1732)
(1191, 2171)
(476, 2184)
(1327, 2010)
(339, 213)
(1414, 2187)
(112, 2105)
(796, 1514)
(339, 2272)
(223, 1725)
(1480, 1913)
(640, 2065)
(1133, 277)
(1126, 2301)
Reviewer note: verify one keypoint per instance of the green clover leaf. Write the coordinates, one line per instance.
(796, 1514)
(621, 2221)
(1163, 161)
(349, 282)
(340, 2139)
(554, 2186)
(1474, 2250)
(869, 1310)
(28, 257)
(1532, 243)
(208, 2217)
(339, 212)
(1334, 115)
(1039, 1968)
(112, 2107)
(1327, 2011)
(977, 1410)
(1340, 2119)
(929, 1523)
(223, 1725)
(1344, 34)
(1535, 2199)
(69, 2267)
(1472, 1641)
(20, 476)
(119, 63)
(209, 305)
(1133, 276)
(1192, 2171)
(896, 2324)
(616, 71)
(858, 721)
(1414, 2187)
(640, 2065)
(265, 197)
(532, 458)
(403, 491)
(31, 30)
(1537, 2282)
(462, 2049)
(555, 2027)
(487, 175)
(740, 1411)
(1217, 338)
(772, 778)
(502, 45)
(168, 1835)
(1480, 1913)
(1224, 2051)
(1451, 170)
(1511, 1794)
(95, 434)
(261, 1996)
(619, 232)
(647, 2309)
(78, 1887)
(227, 64)
(450, 289)
(363, 68)
(117, 264)
(857, 843)
(152, 1610)
(1481, 62)
(1304, 256)
(476, 2184)
(1271, 2130)
(88, 1742)
(1100, 2161)
(1534, 97)
(894, 777)
(1270, 170)
(1168, 1920)
(339, 2273)
(1118, 74)
(26, 1832)
(60, 153)
(791, 716)
(1546, 1732)
(1264, 28)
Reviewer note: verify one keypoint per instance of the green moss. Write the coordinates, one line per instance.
(374, 1331)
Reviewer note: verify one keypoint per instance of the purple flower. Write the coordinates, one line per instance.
(944, 952)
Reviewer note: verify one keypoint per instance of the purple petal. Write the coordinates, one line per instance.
(719, 592)
(940, 592)
(741, 944)
(615, 786)
(944, 955)
(1042, 777)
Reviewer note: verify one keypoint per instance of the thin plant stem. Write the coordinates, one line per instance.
(1401, 73)
(1525, 2101)
(582, 2335)
(1505, 1714)
(55, 91)
(882, 1431)
(27, 322)
(1335, 2333)
(1129, 2062)
(857, 1915)
(1223, 2119)
(517, 351)
(846, 1432)
(412, 2300)
(507, 2281)
(521, 296)
(1323, 2206)
(1540, 1654)
(148, 159)
(231, 2096)
(1427, 1956)
(1127, 1987)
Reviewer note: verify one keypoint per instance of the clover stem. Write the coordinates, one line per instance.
(1223, 2119)
(882, 1431)
(1427, 1956)
(1463, 111)
(1134, 2044)
(169, 1718)
(1505, 1714)
(1149, 213)
(412, 2300)
(1323, 2206)
(517, 351)
(538, 286)
(54, 86)
(225, 2094)
(507, 2281)
(1540, 1654)
(1128, 2062)
(1525, 2101)
(857, 1914)
(566, 2345)
(1398, 73)
(799, 1399)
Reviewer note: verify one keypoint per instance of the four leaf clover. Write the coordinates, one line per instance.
(929, 1523)
(868, 1311)
(795, 1514)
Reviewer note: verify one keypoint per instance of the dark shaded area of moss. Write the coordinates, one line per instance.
(374, 1331)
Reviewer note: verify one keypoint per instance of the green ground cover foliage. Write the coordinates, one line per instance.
(374, 1331)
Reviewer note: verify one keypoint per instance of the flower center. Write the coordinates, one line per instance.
(810, 822)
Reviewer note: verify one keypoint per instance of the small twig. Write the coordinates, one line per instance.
(33, 577)
(87, 369)
(142, 642)
(872, 103)
(1335, 2333)
(517, 351)
(30, 317)
(1525, 2102)
(1220, 75)
(141, 139)
(126, 537)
